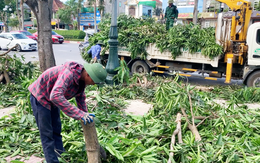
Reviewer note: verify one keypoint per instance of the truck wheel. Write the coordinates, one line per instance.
(140, 67)
(254, 79)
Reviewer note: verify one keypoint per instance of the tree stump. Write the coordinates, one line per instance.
(91, 140)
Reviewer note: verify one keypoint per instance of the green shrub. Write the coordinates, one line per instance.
(71, 34)
(67, 34)
(32, 31)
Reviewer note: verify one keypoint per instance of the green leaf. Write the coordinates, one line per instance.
(114, 152)
(219, 141)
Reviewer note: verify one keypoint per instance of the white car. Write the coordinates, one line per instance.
(9, 40)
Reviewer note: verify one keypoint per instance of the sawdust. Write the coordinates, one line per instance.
(138, 107)
(7, 111)
(224, 103)
(32, 159)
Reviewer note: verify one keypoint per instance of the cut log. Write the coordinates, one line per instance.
(91, 140)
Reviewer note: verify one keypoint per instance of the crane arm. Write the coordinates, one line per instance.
(243, 11)
(235, 5)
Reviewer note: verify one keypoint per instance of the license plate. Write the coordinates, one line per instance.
(33, 46)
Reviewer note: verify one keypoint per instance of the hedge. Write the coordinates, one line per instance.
(67, 34)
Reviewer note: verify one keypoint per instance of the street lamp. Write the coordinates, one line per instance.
(113, 51)
(6, 9)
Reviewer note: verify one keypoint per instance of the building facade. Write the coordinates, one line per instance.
(141, 8)
(120, 7)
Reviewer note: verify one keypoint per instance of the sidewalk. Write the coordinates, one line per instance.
(72, 42)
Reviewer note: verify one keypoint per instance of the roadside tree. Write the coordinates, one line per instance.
(43, 10)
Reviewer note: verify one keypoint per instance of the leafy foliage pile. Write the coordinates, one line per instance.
(136, 34)
(18, 71)
(229, 133)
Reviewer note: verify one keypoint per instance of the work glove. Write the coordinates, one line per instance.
(87, 118)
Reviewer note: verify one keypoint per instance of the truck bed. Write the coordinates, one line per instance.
(154, 53)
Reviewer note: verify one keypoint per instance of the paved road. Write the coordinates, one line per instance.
(62, 52)
(70, 52)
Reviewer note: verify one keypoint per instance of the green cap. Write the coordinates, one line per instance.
(100, 42)
(170, 1)
(96, 71)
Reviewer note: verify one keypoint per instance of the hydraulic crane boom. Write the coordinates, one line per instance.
(243, 11)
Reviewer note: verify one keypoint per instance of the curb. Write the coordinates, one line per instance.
(72, 42)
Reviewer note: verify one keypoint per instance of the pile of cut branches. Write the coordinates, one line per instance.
(207, 131)
(136, 34)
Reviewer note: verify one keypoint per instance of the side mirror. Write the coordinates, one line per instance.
(10, 38)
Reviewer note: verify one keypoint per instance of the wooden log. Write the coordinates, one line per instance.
(7, 79)
(91, 140)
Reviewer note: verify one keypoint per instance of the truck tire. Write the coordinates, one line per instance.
(140, 67)
(254, 79)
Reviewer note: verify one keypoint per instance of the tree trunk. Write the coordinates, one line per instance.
(195, 12)
(78, 12)
(58, 21)
(78, 19)
(22, 14)
(43, 10)
(18, 15)
(95, 16)
(4, 18)
(91, 140)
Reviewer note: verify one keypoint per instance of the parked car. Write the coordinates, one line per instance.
(89, 33)
(9, 40)
(56, 38)
(26, 33)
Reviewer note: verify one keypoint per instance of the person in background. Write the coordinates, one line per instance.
(95, 52)
(171, 13)
(50, 94)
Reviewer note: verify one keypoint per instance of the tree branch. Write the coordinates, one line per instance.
(193, 128)
(7, 51)
(175, 132)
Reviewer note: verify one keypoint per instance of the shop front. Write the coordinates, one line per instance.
(87, 20)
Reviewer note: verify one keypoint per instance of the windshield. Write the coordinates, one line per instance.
(53, 33)
(27, 33)
(19, 36)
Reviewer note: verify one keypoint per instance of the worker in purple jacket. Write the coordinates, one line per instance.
(50, 94)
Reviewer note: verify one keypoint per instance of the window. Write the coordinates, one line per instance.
(9, 37)
(53, 33)
(258, 36)
(206, 24)
(27, 33)
(19, 36)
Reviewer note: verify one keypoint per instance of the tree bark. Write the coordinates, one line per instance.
(78, 12)
(18, 15)
(91, 140)
(22, 14)
(4, 19)
(195, 12)
(42, 10)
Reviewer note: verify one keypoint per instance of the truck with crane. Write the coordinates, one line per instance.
(240, 59)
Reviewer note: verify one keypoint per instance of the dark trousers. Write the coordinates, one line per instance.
(169, 24)
(49, 124)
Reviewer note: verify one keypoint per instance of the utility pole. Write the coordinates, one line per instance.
(195, 12)
(95, 16)
(113, 49)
